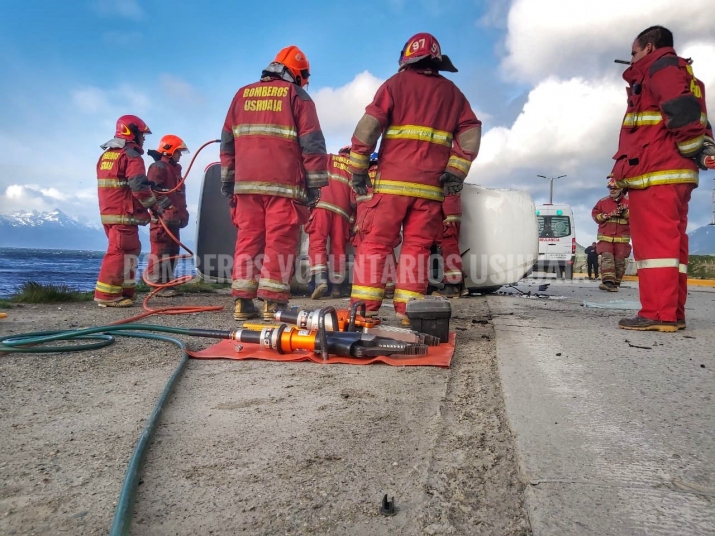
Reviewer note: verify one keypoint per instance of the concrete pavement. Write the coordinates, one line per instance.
(615, 429)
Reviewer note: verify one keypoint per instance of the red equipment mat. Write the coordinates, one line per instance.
(437, 356)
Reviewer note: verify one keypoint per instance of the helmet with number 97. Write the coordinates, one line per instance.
(129, 126)
(170, 143)
(421, 46)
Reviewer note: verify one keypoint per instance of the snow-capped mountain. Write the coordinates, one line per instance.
(57, 230)
(702, 240)
(49, 230)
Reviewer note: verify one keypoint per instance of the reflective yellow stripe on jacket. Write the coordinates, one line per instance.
(123, 219)
(410, 189)
(276, 131)
(416, 132)
(650, 118)
(269, 188)
(111, 183)
(454, 218)
(668, 176)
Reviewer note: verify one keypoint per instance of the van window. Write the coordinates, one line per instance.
(554, 226)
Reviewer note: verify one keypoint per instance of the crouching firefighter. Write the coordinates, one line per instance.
(165, 174)
(125, 198)
(430, 136)
(614, 236)
(331, 218)
(273, 164)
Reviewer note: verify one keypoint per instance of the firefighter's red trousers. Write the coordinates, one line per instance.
(160, 267)
(324, 224)
(659, 218)
(266, 245)
(450, 255)
(119, 266)
(380, 221)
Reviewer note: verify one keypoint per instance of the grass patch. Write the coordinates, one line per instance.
(701, 266)
(32, 292)
(197, 286)
(5, 304)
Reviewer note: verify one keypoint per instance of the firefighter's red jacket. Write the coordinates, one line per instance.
(166, 175)
(271, 142)
(664, 125)
(427, 128)
(612, 228)
(123, 188)
(337, 196)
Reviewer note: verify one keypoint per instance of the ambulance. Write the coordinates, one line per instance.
(557, 240)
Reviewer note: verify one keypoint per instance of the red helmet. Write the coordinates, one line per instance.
(170, 143)
(296, 62)
(424, 45)
(128, 126)
(344, 150)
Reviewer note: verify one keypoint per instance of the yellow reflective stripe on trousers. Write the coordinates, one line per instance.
(111, 183)
(690, 146)
(276, 131)
(333, 208)
(107, 288)
(360, 292)
(268, 188)
(658, 263)
(462, 164)
(452, 219)
(251, 285)
(614, 239)
(416, 132)
(404, 296)
(318, 268)
(411, 189)
(641, 119)
(273, 285)
(669, 176)
(683, 268)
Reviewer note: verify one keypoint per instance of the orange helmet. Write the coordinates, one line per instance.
(424, 45)
(170, 143)
(296, 62)
(128, 126)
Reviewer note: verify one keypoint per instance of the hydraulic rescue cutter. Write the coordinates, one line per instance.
(351, 320)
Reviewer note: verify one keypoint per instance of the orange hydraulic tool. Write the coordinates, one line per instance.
(347, 319)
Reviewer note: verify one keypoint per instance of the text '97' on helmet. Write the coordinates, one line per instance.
(424, 45)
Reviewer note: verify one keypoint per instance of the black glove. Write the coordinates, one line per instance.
(451, 183)
(706, 157)
(162, 204)
(227, 189)
(312, 196)
(360, 182)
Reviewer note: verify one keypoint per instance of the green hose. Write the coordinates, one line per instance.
(20, 344)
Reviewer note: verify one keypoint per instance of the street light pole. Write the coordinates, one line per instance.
(551, 186)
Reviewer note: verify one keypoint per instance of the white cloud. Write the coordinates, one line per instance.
(129, 9)
(340, 109)
(567, 38)
(180, 91)
(43, 199)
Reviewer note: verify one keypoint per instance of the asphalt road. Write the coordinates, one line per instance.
(615, 429)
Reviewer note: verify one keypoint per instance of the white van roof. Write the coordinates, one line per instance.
(553, 208)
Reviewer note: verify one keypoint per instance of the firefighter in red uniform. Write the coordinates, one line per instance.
(430, 136)
(449, 244)
(124, 199)
(331, 218)
(273, 164)
(614, 236)
(661, 141)
(165, 175)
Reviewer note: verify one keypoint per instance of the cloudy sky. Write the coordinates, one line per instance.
(539, 74)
